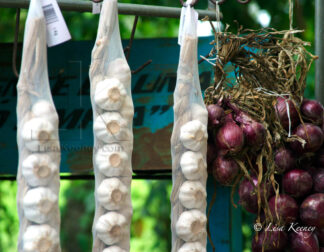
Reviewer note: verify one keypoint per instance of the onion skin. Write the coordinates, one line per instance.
(320, 236)
(314, 140)
(273, 241)
(284, 160)
(297, 183)
(312, 111)
(254, 134)
(287, 208)
(303, 241)
(318, 179)
(225, 170)
(312, 210)
(215, 115)
(281, 110)
(230, 137)
(248, 194)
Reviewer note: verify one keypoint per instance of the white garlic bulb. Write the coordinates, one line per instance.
(111, 160)
(40, 238)
(111, 227)
(127, 109)
(192, 165)
(111, 193)
(39, 135)
(119, 69)
(191, 225)
(199, 113)
(192, 194)
(192, 247)
(110, 94)
(110, 127)
(45, 109)
(38, 169)
(38, 203)
(193, 135)
(114, 249)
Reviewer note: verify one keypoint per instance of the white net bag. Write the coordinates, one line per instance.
(113, 112)
(38, 143)
(188, 146)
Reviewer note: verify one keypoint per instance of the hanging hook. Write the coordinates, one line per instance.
(14, 54)
(192, 4)
(128, 48)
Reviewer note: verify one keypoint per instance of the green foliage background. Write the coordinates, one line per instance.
(151, 224)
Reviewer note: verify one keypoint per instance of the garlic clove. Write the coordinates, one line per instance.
(46, 110)
(39, 135)
(110, 127)
(110, 94)
(192, 194)
(193, 165)
(40, 238)
(193, 135)
(38, 169)
(119, 69)
(111, 193)
(191, 225)
(38, 203)
(111, 227)
(111, 160)
(114, 249)
(192, 247)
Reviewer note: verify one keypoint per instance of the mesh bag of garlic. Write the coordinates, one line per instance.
(113, 112)
(39, 149)
(188, 146)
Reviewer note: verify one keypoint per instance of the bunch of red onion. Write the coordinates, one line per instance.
(299, 170)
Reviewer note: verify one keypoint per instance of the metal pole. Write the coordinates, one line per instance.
(127, 9)
(319, 50)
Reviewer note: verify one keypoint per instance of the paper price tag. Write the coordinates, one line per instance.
(57, 31)
(96, 8)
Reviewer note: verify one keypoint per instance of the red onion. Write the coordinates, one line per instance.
(313, 136)
(303, 241)
(281, 110)
(320, 236)
(273, 241)
(287, 208)
(229, 118)
(297, 183)
(313, 111)
(230, 137)
(319, 158)
(225, 170)
(312, 210)
(215, 114)
(318, 179)
(249, 196)
(284, 160)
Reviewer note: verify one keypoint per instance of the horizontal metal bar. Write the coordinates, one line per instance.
(127, 9)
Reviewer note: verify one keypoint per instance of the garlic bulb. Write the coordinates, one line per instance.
(46, 110)
(38, 203)
(119, 69)
(192, 164)
(114, 249)
(40, 238)
(111, 227)
(110, 127)
(110, 94)
(192, 194)
(193, 135)
(39, 134)
(38, 169)
(191, 225)
(199, 113)
(111, 193)
(192, 247)
(111, 160)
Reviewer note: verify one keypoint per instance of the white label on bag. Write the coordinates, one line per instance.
(57, 31)
(96, 7)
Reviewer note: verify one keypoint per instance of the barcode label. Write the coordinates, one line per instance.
(50, 14)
